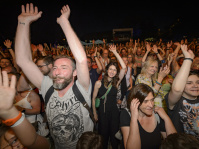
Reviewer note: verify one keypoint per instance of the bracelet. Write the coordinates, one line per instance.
(158, 83)
(156, 53)
(95, 56)
(19, 121)
(9, 48)
(188, 59)
(12, 121)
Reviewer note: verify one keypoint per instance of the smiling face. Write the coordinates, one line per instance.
(63, 73)
(147, 105)
(152, 69)
(112, 71)
(191, 90)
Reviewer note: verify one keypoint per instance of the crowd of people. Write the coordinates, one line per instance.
(140, 94)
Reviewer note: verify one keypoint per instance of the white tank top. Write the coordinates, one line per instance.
(128, 73)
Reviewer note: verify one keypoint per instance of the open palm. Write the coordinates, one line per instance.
(7, 92)
(29, 14)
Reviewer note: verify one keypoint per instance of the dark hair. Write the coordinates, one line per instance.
(180, 141)
(194, 72)
(7, 59)
(116, 78)
(46, 59)
(88, 57)
(68, 57)
(139, 91)
(90, 140)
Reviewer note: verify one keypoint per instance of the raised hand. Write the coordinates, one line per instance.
(134, 108)
(187, 53)
(148, 47)
(65, 13)
(29, 14)
(8, 43)
(155, 48)
(164, 71)
(112, 48)
(7, 93)
(33, 47)
(40, 47)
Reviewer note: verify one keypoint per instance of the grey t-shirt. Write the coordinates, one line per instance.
(67, 117)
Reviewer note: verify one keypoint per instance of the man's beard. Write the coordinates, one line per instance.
(60, 86)
(46, 72)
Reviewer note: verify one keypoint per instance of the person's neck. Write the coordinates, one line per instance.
(109, 79)
(188, 96)
(148, 75)
(62, 92)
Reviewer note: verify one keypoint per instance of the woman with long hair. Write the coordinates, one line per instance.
(108, 113)
(149, 75)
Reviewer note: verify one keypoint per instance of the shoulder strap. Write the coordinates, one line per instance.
(48, 94)
(80, 97)
(108, 90)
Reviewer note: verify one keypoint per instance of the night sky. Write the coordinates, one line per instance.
(96, 19)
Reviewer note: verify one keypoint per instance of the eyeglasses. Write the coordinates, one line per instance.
(40, 66)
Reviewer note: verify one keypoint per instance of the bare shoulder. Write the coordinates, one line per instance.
(98, 83)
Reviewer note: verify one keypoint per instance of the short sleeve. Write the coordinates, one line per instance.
(45, 85)
(124, 118)
(86, 94)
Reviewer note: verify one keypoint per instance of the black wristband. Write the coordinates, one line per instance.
(188, 59)
(9, 48)
(156, 53)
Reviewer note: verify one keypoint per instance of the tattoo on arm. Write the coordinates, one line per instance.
(22, 23)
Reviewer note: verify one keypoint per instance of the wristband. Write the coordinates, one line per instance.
(9, 48)
(19, 121)
(188, 59)
(156, 53)
(12, 121)
(158, 83)
(95, 56)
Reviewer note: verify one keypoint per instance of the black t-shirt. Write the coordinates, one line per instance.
(94, 77)
(149, 140)
(185, 115)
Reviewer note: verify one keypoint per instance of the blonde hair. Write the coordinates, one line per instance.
(146, 65)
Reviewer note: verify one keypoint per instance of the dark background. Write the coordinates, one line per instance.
(96, 19)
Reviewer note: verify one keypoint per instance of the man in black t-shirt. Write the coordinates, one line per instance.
(183, 99)
(94, 73)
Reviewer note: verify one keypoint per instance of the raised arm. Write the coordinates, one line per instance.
(112, 48)
(76, 47)
(8, 45)
(181, 78)
(148, 49)
(22, 44)
(134, 141)
(155, 50)
(30, 138)
(99, 65)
